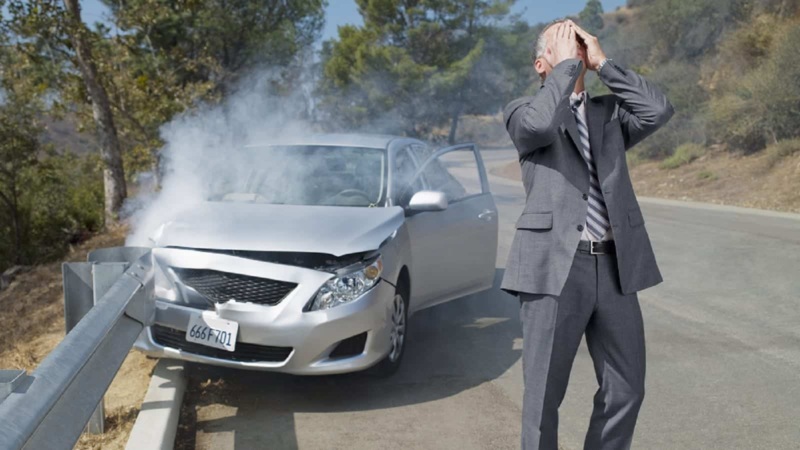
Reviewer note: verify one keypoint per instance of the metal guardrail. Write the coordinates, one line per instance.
(108, 302)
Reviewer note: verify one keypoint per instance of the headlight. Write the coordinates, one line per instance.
(349, 286)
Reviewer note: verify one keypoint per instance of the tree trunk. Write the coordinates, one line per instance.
(451, 139)
(11, 202)
(17, 231)
(113, 172)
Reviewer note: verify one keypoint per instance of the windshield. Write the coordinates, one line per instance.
(304, 175)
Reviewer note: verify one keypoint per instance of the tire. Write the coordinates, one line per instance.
(389, 365)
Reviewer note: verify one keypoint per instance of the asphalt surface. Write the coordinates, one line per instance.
(723, 356)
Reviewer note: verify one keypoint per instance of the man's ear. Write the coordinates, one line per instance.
(539, 66)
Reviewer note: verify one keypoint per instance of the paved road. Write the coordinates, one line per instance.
(723, 343)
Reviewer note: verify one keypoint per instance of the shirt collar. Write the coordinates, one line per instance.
(577, 96)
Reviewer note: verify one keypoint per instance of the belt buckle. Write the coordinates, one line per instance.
(591, 248)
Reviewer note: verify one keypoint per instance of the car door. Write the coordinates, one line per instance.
(453, 251)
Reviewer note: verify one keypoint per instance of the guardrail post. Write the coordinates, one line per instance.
(84, 285)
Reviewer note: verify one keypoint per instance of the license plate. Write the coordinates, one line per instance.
(213, 332)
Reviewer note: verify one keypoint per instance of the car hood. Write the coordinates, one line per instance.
(334, 230)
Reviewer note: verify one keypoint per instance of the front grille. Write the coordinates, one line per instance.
(220, 287)
(170, 337)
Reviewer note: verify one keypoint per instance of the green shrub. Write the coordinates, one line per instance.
(707, 175)
(683, 155)
(62, 205)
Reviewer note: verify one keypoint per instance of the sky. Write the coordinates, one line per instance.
(343, 12)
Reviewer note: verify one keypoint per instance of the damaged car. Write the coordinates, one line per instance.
(310, 256)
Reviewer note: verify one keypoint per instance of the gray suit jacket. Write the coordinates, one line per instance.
(556, 178)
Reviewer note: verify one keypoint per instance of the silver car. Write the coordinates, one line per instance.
(310, 256)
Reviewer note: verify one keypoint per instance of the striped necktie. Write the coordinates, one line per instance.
(597, 216)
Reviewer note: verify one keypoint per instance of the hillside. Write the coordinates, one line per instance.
(720, 177)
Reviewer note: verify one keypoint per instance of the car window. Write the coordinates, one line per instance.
(327, 175)
(404, 169)
(455, 173)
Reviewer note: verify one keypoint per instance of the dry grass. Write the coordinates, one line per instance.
(763, 180)
(32, 325)
(755, 181)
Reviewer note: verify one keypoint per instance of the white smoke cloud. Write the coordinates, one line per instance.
(200, 143)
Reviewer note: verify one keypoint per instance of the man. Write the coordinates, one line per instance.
(580, 251)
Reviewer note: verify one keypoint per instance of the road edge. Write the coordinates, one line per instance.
(663, 201)
(157, 422)
(718, 207)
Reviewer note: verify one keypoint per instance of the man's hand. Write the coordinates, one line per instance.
(594, 54)
(564, 44)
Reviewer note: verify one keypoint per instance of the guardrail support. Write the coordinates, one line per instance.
(84, 286)
(108, 306)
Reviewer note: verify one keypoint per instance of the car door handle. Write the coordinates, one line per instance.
(488, 215)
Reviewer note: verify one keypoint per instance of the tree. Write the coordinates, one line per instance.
(19, 145)
(54, 46)
(169, 57)
(590, 18)
(111, 154)
(413, 65)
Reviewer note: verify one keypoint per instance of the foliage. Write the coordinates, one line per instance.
(48, 200)
(163, 58)
(64, 200)
(414, 65)
(689, 29)
(19, 146)
(760, 105)
(683, 155)
(590, 17)
(169, 56)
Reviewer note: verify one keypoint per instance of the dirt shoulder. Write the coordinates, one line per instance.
(718, 177)
(32, 325)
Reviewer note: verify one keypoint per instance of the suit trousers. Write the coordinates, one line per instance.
(552, 328)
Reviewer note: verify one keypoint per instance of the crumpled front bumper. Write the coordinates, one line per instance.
(308, 337)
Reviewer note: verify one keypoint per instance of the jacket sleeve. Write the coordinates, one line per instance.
(532, 122)
(641, 106)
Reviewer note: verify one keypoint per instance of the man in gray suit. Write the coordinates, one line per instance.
(580, 251)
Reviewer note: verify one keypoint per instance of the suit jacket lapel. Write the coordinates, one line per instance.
(595, 116)
(570, 126)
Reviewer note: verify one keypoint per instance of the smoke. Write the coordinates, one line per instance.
(205, 154)
(203, 148)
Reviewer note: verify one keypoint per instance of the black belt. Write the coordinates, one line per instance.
(597, 247)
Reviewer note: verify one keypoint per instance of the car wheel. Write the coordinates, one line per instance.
(389, 365)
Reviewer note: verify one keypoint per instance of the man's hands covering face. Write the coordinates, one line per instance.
(563, 43)
(594, 54)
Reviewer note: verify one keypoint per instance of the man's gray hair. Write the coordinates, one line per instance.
(541, 40)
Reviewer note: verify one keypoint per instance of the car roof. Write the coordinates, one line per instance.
(335, 139)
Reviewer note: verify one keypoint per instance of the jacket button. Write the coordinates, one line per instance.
(580, 227)
(585, 197)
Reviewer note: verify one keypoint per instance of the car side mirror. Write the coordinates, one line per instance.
(428, 201)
